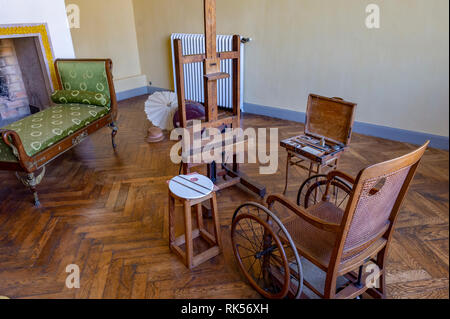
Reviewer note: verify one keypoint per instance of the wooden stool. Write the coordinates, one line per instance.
(193, 190)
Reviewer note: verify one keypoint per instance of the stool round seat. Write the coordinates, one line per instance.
(194, 186)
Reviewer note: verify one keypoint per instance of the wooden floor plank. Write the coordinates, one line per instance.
(106, 212)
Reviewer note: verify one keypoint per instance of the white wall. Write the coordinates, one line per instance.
(52, 12)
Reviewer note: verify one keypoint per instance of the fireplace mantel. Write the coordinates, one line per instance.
(39, 30)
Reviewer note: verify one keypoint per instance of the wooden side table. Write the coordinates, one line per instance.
(192, 191)
(328, 131)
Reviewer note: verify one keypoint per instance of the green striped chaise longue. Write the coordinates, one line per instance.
(85, 101)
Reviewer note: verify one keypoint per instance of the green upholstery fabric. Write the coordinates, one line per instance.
(41, 130)
(82, 97)
(6, 153)
(84, 76)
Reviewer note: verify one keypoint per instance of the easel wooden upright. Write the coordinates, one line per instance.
(212, 73)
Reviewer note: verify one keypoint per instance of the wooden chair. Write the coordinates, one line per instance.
(337, 241)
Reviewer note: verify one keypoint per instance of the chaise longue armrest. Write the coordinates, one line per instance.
(313, 220)
(10, 138)
(13, 140)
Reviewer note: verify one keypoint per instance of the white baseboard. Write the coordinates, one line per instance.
(130, 83)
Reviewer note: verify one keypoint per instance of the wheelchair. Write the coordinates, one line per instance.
(265, 239)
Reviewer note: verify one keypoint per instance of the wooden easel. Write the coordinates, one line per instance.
(211, 65)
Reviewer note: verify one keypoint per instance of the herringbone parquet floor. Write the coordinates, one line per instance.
(107, 213)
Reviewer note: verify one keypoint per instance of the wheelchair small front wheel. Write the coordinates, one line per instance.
(313, 189)
(305, 186)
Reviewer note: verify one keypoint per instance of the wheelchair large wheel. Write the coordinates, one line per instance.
(313, 189)
(266, 253)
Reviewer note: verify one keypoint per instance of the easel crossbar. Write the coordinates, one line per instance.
(197, 58)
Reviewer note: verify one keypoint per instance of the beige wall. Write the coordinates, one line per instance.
(107, 30)
(398, 74)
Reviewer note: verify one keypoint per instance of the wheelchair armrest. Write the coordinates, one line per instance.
(313, 220)
(348, 179)
(337, 175)
(341, 175)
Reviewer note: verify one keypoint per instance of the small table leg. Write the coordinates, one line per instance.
(288, 163)
(311, 169)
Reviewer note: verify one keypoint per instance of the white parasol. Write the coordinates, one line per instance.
(160, 108)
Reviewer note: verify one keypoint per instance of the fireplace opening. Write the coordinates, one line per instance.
(24, 81)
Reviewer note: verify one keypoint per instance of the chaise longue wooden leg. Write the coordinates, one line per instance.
(37, 203)
(114, 128)
(32, 181)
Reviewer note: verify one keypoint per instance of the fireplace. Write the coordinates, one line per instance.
(26, 80)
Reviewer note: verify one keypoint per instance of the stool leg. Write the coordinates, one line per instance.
(215, 215)
(200, 217)
(188, 234)
(171, 221)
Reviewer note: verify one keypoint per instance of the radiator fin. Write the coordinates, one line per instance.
(193, 73)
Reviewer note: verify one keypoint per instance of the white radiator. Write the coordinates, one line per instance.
(193, 73)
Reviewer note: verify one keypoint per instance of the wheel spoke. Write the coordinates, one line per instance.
(251, 267)
(253, 252)
(245, 237)
(243, 232)
(254, 235)
(260, 271)
(320, 189)
(346, 196)
(246, 257)
(315, 195)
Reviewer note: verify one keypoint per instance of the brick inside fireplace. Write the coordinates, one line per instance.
(14, 101)
(24, 80)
